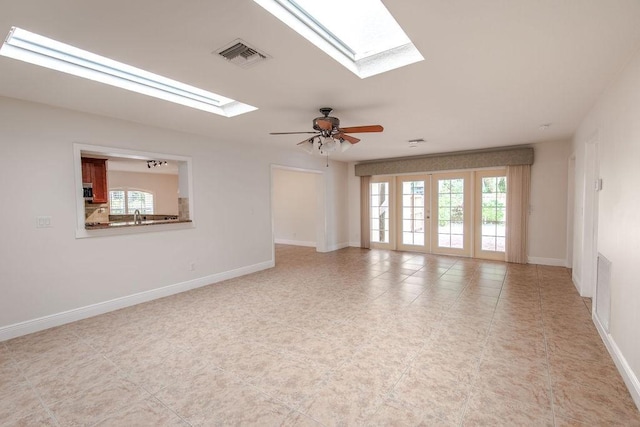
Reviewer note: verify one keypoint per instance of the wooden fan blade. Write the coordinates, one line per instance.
(362, 129)
(324, 124)
(288, 133)
(349, 138)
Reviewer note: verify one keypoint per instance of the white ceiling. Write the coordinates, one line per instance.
(123, 164)
(495, 70)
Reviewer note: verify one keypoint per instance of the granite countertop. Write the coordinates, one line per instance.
(120, 224)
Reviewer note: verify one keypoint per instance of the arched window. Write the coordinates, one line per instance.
(123, 202)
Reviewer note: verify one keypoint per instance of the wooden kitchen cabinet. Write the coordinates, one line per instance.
(95, 172)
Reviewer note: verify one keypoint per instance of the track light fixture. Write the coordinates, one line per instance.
(155, 163)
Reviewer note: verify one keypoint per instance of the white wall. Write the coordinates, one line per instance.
(45, 272)
(163, 186)
(337, 206)
(295, 207)
(613, 123)
(353, 190)
(548, 214)
(547, 222)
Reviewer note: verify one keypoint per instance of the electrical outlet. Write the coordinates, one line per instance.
(43, 222)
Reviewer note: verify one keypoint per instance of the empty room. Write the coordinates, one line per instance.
(319, 213)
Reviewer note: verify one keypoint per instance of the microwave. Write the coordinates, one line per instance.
(87, 191)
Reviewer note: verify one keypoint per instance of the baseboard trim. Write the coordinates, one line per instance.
(57, 319)
(576, 281)
(629, 377)
(295, 243)
(338, 246)
(555, 262)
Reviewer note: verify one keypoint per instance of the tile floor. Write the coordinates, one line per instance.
(353, 337)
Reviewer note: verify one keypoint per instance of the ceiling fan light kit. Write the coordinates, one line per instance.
(329, 136)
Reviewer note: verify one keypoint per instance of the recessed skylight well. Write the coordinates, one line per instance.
(39, 50)
(360, 34)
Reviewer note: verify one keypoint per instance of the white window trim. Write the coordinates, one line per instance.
(382, 62)
(82, 232)
(126, 198)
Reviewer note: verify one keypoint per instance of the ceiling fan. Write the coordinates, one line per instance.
(328, 135)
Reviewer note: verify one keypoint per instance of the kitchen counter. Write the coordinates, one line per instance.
(120, 224)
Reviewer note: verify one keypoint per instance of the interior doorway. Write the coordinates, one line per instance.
(297, 207)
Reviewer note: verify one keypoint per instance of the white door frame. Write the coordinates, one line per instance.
(571, 197)
(321, 211)
(590, 220)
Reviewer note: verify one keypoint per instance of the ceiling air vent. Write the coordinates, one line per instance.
(241, 54)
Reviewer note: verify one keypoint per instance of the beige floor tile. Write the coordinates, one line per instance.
(568, 422)
(160, 374)
(432, 395)
(489, 409)
(149, 412)
(518, 380)
(247, 406)
(352, 337)
(18, 401)
(95, 403)
(298, 419)
(39, 343)
(292, 381)
(599, 406)
(582, 370)
(150, 351)
(40, 417)
(397, 413)
(56, 386)
(194, 397)
(434, 362)
(342, 402)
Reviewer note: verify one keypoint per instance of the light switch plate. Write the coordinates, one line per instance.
(43, 222)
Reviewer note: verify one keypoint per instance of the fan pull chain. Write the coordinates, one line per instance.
(327, 159)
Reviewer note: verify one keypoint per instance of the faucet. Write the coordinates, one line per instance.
(136, 217)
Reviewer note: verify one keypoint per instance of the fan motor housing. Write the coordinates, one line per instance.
(335, 122)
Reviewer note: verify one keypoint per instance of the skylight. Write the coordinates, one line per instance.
(360, 34)
(36, 49)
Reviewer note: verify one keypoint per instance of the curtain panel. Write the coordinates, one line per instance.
(518, 199)
(365, 212)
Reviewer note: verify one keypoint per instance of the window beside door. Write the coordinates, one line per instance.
(380, 214)
(494, 213)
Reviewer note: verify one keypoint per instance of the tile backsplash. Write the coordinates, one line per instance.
(96, 212)
(183, 208)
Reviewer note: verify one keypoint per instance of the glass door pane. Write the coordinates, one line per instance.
(413, 213)
(451, 227)
(451, 213)
(491, 217)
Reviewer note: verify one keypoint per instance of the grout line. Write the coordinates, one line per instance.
(483, 352)
(546, 350)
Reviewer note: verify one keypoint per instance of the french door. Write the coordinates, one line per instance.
(413, 213)
(453, 213)
(451, 228)
(491, 214)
